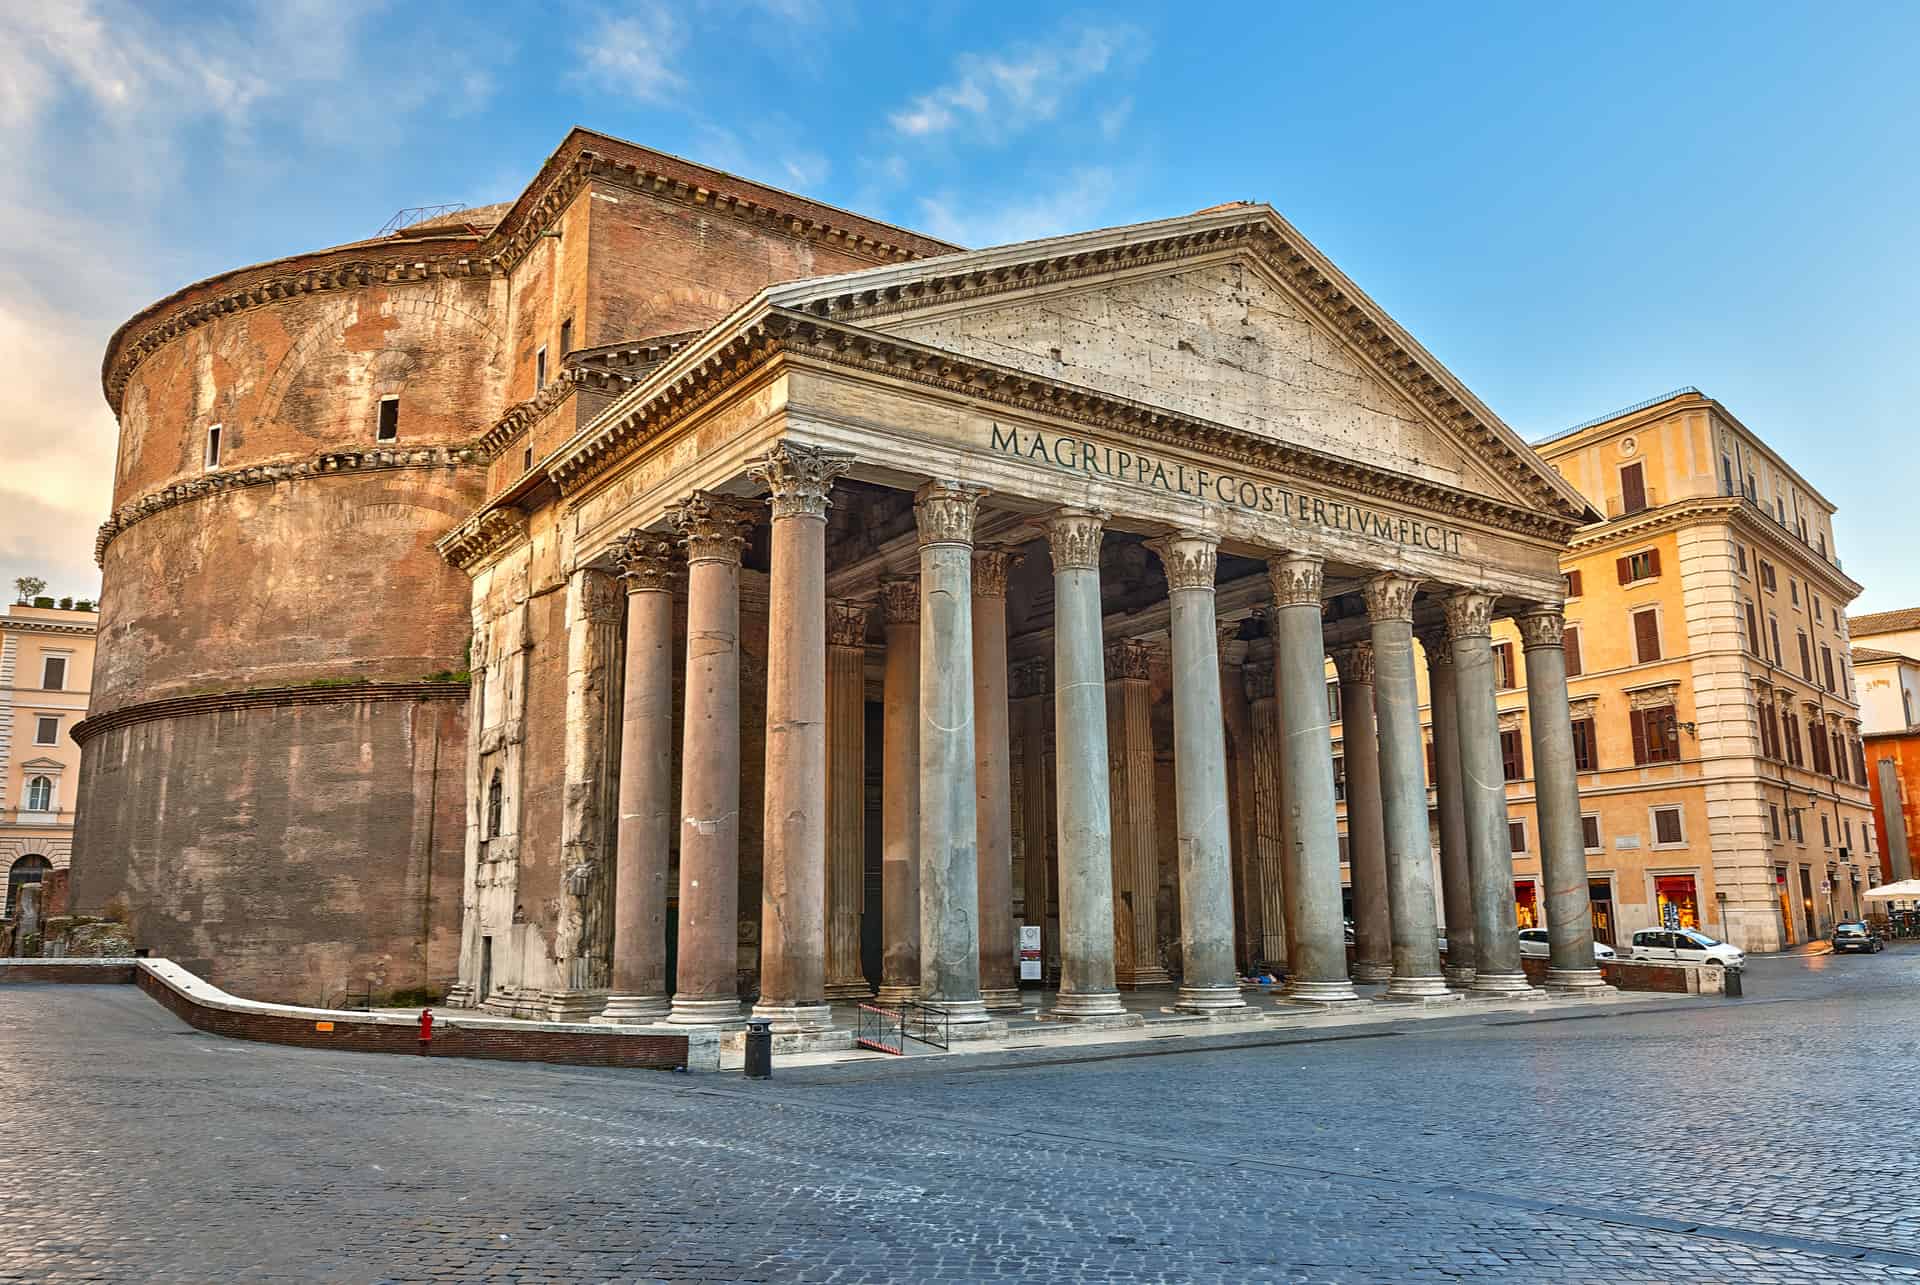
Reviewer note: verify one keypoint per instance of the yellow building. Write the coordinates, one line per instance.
(46, 670)
(1717, 729)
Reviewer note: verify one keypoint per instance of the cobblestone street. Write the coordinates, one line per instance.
(1767, 1139)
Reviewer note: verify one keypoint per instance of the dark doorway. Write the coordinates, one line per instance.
(870, 923)
(1806, 903)
(1600, 893)
(486, 968)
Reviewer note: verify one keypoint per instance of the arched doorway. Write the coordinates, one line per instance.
(31, 868)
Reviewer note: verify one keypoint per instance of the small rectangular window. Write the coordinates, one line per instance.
(1339, 777)
(1586, 746)
(1570, 644)
(1755, 643)
(1646, 635)
(540, 370)
(1826, 831)
(1656, 736)
(1826, 665)
(1573, 584)
(46, 731)
(387, 428)
(1590, 832)
(1644, 565)
(1504, 676)
(1513, 760)
(1633, 488)
(566, 337)
(1806, 657)
(1333, 701)
(1740, 552)
(1517, 836)
(213, 446)
(1767, 580)
(1793, 590)
(1666, 827)
(1773, 819)
(53, 673)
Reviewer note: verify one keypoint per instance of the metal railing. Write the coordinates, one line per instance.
(887, 1030)
(417, 214)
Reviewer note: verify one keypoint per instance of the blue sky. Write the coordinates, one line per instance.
(1573, 210)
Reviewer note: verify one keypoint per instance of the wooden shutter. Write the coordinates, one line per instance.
(1590, 833)
(1755, 644)
(1570, 643)
(1806, 659)
(1585, 752)
(1646, 636)
(1633, 489)
(1623, 567)
(1512, 759)
(1826, 663)
(1573, 584)
(1638, 720)
(1653, 562)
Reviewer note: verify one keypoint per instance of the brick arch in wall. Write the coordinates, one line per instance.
(328, 334)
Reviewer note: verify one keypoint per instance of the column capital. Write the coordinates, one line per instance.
(945, 511)
(799, 477)
(1354, 663)
(1032, 678)
(847, 622)
(900, 600)
(1073, 538)
(1189, 557)
(713, 527)
(1298, 579)
(1438, 646)
(1390, 597)
(646, 561)
(1129, 658)
(990, 567)
(1469, 614)
(1541, 626)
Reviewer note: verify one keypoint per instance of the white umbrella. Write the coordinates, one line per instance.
(1905, 890)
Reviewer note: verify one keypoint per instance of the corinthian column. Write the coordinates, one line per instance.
(1080, 741)
(1242, 821)
(584, 935)
(1130, 787)
(1313, 880)
(993, 781)
(646, 785)
(846, 796)
(1208, 982)
(1456, 870)
(1497, 968)
(900, 794)
(706, 977)
(1270, 832)
(949, 817)
(1366, 835)
(1563, 848)
(1403, 792)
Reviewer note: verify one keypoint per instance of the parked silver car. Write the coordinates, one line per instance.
(1686, 946)
(1533, 941)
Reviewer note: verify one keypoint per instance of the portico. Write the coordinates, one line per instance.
(1072, 519)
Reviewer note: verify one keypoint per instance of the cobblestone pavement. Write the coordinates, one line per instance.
(1767, 1139)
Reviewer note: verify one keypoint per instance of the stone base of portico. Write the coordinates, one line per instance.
(968, 1021)
(1319, 994)
(1001, 1001)
(831, 1039)
(574, 1006)
(463, 995)
(857, 990)
(1499, 985)
(1576, 981)
(1419, 988)
(634, 1010)
(796, 1019)
(1209, 1001)
(1372, 974)
(705, 1012)
(1459, 977)
(1141, 979)
(895, 996)
(1117, 1019)
(1100, 1004)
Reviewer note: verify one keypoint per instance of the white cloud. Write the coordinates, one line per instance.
(997, 95)
(632, 53)
(1077, 204)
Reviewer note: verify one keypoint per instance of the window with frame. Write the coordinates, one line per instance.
(1755, 643)
(40, 794)
(1769, 738)
(1740, 556)
(1806, 655)
(1668, 831)
(1773, 820)
(1859, 763)
(1793, 590)
(1346, 848)
(1573, 584)
(1826, 667)
(211, 459)
(46, 730)
(566, 337)
(1767, 581)
(1818, 615)
(1586, 746)
(53, 673)
(1773, 627)
(496, 802)
(1633, 488)
(1796, 825)
(1846, 829)
(1333, 701)
(1504, 676)
(1634, 567)
(1433, 774)
(540, 369)
(1656, 735)
(1513, 759)
(1590, 832)
(1517, 836)
(1339, 778)
(1570, 643)
(1839, 769)
(1826, 831)
(1790, 736)
(1817, 742)
(386, 427)
(1646, 634)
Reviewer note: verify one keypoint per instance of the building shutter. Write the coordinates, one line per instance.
(1573, 584)
(1826, 663)
(1570, 642)
(1586, 755)
(1638, 721)
(1753, 633)
(1653, 562)
(1513, 761)
(1590, 833)
(1623, 567)
(1806, 659)
(1646, 636)
(1633, 489)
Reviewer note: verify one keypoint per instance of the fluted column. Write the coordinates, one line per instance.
(1403, 792)
(1209, 982)
(1556, 792)
(1136, 864)
(1270, 832)
(706, 977)
(900, 794)
(1497, 968)
(1033, 696)
(1080, 739)
(949, 827)
(1241, 803)
(993, 781)
(583, 935)
(1456, 870)
(846, 796)
(1319, 956)
(1366, 834)
(645, 833)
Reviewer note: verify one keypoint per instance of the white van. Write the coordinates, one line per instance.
(1686, 946)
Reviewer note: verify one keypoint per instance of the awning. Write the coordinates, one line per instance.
(1905, 890)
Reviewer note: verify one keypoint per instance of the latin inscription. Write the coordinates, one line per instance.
(1119, 464)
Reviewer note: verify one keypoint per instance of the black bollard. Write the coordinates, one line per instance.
(1734, 987)
(759, 1048)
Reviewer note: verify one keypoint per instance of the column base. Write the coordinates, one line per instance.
(1370, 973)
(855, 989)
(891, 996)
(1576, 981)
(1002, 1001)
(704, 1012)
(1459, 976)
(1500, 985)
(1300, 991)
(1072, 1005)
(461, 996)
(1213, 1001)
(1419, 988)
(574, 1006)
(960, 1012)
(1146, 979)
(796, 1019)
(634, 1010)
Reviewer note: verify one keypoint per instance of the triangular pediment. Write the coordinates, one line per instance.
(1225, 316)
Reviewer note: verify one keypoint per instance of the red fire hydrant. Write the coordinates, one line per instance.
(426, 1030)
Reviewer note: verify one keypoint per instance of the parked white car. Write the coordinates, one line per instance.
(1533, 941)
(1686, 946)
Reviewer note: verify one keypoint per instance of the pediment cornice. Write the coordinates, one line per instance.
(752, 347)
(483, 536)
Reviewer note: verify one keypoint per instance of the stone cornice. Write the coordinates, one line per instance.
(325, 464)
(263, 697)
(709, 369)
(481, 536)
(22, 625)
(1734, 510)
